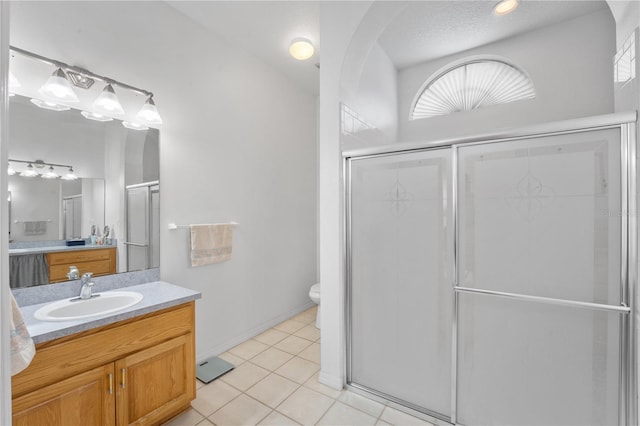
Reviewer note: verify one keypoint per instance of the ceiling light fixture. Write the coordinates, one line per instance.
(108, 102)
(58, 88)
(505, 7)
(148, 113)
(31, 171)
(134, 126)
(95, 116)
(49, 105)
(301, 48)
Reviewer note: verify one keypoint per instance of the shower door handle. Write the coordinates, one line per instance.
(136, 244)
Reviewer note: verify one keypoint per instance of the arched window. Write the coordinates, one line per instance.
(473, 84)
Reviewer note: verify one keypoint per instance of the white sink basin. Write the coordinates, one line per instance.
(72, 309)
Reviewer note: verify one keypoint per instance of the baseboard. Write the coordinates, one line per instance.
(217, 350)
(335, 382)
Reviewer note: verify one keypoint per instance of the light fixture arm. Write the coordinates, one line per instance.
(39, 162)
(79, 70)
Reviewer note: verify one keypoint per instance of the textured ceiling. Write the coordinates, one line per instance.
(265, 29)
(427, 30)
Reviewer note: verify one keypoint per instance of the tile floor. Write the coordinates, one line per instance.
(275, 382)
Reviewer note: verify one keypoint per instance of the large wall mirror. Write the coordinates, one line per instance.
(117, 186)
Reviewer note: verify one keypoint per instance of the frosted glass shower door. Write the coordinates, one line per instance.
(540, 217)
(400, 289)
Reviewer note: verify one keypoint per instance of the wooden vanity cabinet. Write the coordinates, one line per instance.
(136, 372)
(100, 261)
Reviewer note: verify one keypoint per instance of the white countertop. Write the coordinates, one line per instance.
(49, 249)
(157, 295)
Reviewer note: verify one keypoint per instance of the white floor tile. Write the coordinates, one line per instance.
(241, 411)
(311, 353)
(271, 336)
(305, 406)
(277, 419)
(293, 344)
(290, 326)
(245, 376)
(248, 349)
(229, 357)
(398, 418)
(271, 359)
(343, 415)
(299, 370)
(272, 390)
(310, 332)
(211, 397)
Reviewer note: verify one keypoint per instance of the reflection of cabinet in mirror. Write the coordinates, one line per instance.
(99, 261)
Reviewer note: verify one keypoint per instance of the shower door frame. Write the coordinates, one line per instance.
(628, 375)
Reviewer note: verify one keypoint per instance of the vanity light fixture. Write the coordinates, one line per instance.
(71, 175)
(108, 102)
(58, 88)
(148, 113)
(134, 125)
(29, 171)
(10, 170)
(95, 116)
(49, 105)
(51, 174)
(301, 48)
(505, 7)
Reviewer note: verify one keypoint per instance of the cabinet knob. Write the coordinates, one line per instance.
(124, 378)
(110, 384)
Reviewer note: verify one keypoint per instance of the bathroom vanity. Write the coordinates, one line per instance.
(134, 367)
(100, 261)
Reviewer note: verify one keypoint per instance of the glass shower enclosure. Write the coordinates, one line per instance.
(492, 280)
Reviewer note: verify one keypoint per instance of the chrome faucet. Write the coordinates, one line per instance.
(87, 284)
(73, 273)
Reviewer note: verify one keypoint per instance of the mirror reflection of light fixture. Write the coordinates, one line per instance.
(10, 170)
(148, 113)
(108, 102)
(51, 174)
(95, 116)
(71, 175)
(58, 88)
(13, 84)
(49, 105)
(134, 125)
(505, 7)
(301, 48)
(29, 171)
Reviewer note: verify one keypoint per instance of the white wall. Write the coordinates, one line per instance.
(238, 144)
(570, 65)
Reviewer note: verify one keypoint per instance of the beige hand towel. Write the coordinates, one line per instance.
(210, 244)
(22, 347)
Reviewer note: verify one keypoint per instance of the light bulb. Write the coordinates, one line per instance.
(108, 102)
(95, 116)
(505, 7)
(29, 171)
(71, 175)
(51, 174)
(58, 88)
(149, 113)
(11, 171)
(301, 49)
(134, 125)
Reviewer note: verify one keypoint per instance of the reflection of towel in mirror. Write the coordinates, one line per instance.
(210, 243)
(22, 348)
(35, 227)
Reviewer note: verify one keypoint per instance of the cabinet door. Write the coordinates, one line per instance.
(156, 383)
(85, 399)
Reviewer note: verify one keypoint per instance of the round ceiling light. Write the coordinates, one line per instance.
(504, 7)
(301, 49)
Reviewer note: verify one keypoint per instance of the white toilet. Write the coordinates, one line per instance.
(314, 295)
